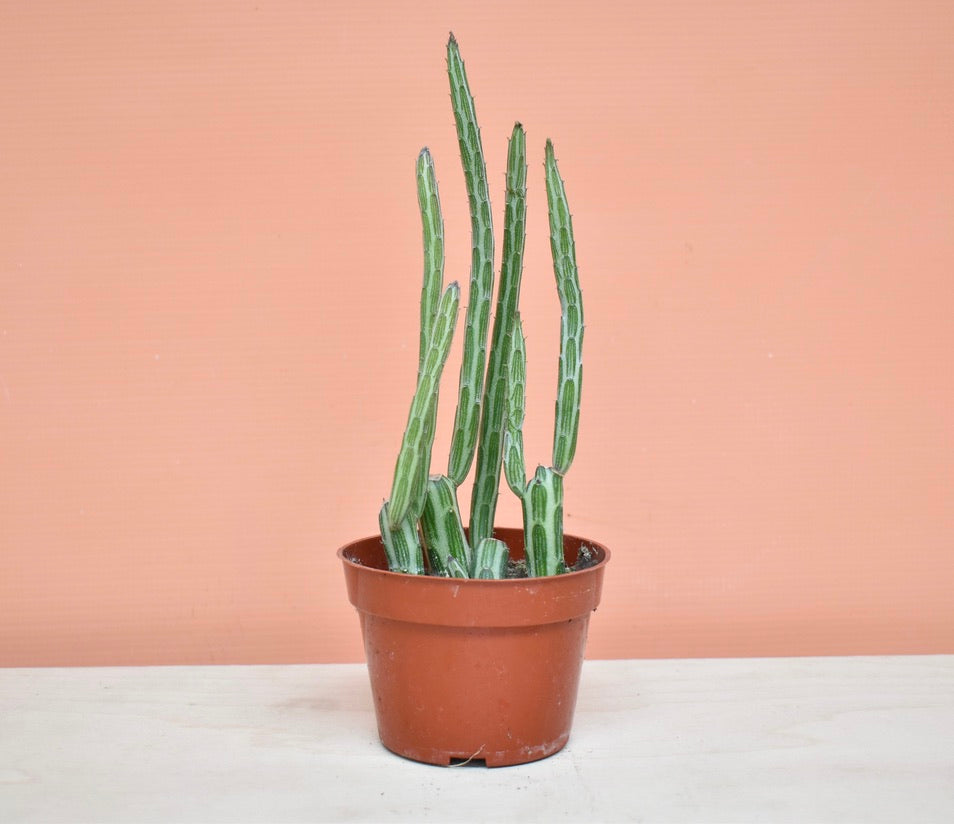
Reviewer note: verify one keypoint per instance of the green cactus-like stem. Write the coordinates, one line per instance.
(411, 469)
(455, 569)
(513, 461)
(490, 559)
(464, 438)
(427, 442)
(402, 546)
(570, 376)
(432, 224)
(490, 449)
(440, 522)
(543, 523)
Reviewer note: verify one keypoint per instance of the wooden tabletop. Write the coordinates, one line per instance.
(867, 739)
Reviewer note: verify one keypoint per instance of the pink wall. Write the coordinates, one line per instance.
(210, 263)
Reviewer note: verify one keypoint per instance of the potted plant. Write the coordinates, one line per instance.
(474, 637)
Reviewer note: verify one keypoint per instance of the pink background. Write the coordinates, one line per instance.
(210, 261)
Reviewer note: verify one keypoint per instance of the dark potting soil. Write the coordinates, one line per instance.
(585, 558)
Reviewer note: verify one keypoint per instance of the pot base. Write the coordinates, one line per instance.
(497, 758)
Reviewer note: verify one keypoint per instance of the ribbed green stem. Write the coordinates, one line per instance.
(401, 545)
(455, 569)
(430, 428)
(490, 559)
(543, 523)
(490, 448)
(464, 438)
(432, 224)
(410, 471)
(513, 461)
(440, 522)
(570, 376)
(491, 403)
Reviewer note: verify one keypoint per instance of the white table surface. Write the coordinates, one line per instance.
(762, 740)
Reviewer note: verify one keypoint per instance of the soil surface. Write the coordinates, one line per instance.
(585, 558)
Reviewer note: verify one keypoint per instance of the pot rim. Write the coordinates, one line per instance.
(470, 602)
(601, 549)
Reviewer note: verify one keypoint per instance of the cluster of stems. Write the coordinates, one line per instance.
(421, 524)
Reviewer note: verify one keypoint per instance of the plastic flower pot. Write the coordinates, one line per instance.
(473, 670)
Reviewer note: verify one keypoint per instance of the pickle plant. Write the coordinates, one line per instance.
(491, 393)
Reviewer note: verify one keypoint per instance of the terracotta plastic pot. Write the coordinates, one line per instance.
(473, 670)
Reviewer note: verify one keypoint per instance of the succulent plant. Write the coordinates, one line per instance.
(491, 393)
